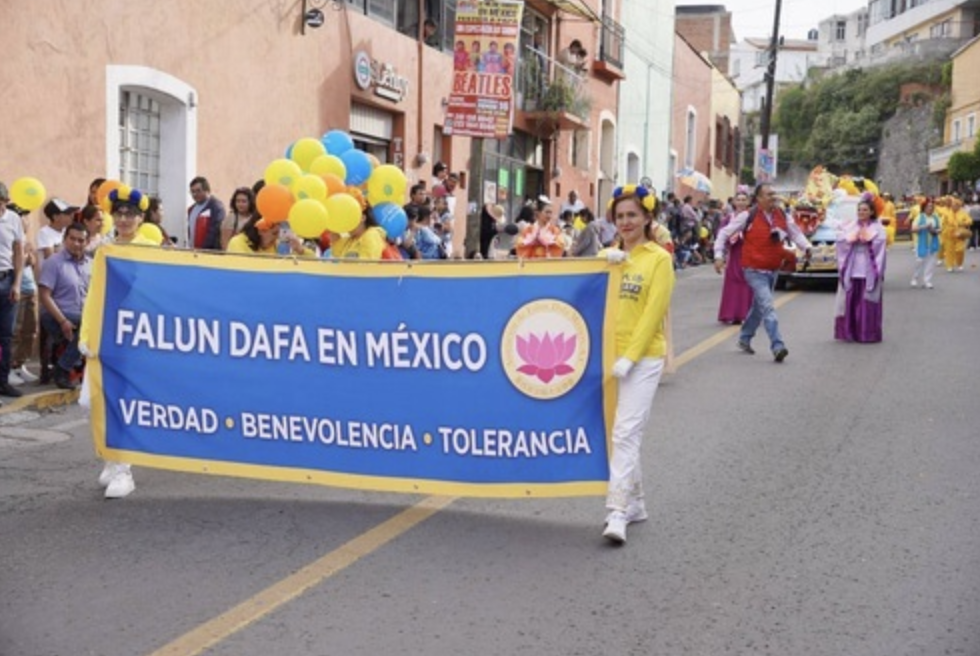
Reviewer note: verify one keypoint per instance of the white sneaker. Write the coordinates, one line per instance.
(108, 473)
(121, 485)
(14, 379)
(26, 374)
(915, 284)
(928, 285)
(636, 512)
(615, 528)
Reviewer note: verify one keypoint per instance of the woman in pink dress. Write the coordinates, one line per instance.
(736, 296)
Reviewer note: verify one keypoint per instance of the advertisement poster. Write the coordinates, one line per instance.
(484, 63)
(458, 378)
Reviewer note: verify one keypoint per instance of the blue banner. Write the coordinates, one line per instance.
(479, 379)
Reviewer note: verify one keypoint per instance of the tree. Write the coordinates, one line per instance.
(964, 166)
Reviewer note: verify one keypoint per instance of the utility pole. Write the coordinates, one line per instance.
(763, 157)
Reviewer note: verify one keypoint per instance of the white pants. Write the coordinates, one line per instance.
(636, 392)
(924, 267)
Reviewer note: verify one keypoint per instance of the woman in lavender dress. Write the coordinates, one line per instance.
(861, 262)
(736, 296)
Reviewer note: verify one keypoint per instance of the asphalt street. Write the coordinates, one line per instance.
(826, 506)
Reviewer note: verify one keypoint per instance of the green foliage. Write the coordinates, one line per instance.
(939, 109)
(964, 166)
(946, 77)
(837, 120)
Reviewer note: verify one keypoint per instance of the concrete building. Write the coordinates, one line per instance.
(750, 59)
(900, 29)
(840, 39)
(709, 29)
(963, 115)
(645, 95)
(156, 93)
(691, 115)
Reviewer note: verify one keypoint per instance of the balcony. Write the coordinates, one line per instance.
(609, 64)
(939, 157)
(550, 96)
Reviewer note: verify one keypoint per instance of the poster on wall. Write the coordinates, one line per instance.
(484, 63)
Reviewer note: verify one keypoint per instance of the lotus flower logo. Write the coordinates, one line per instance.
(546, 357)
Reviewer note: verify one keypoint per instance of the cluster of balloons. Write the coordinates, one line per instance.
(320, 185)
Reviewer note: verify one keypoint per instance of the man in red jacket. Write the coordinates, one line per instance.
(204, 217)
(764, 228)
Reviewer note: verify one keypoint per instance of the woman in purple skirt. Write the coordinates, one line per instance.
(861, 262)
(736, 296)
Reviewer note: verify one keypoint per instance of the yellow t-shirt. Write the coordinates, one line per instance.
(644, 297)
(239, 244)
(368, 246)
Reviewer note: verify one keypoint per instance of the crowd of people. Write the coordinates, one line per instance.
(44, 280)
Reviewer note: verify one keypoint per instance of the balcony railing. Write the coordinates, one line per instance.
(545, 85)
(939, 156)
(611, 42)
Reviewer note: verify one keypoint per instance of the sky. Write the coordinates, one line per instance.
(754, 18)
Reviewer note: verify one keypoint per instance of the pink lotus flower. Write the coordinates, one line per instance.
(546, 358)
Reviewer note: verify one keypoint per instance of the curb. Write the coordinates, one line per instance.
(47, 399)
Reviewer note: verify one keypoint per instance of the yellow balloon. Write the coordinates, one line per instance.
(308, 218)
(387, 184)
(344, 212)
(28, 193)
(282, 171)
(305, 151)
(151, 231)
(329, 164)
(310, 186)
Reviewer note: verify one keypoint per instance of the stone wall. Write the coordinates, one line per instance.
(903, 161)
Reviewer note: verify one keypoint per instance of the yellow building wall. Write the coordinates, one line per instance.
(725, 101)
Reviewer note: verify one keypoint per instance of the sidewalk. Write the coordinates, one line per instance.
(39, 397)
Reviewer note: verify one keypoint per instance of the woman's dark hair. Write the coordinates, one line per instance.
(526, 214)
(251, 232)
(586, 215)
(257, 187)
(540, 203)
(249, 194)
(871, 206)
(152, 208)
(90, 211)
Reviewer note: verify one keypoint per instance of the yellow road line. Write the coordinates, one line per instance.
(278, 594)
(722, 336)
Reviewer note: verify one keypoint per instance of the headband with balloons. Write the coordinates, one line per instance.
(640, 193)
(126, 195)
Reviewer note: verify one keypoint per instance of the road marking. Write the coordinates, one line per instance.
(723, 335)
(217, 629)
(212, 632)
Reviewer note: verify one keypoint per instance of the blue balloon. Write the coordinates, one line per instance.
(337, 142)
(358, 167)
(392, 219)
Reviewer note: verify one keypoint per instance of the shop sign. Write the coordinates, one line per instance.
(381, 76)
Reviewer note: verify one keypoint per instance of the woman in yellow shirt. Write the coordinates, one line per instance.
(644, 296)
(258, 237)
(365, 242)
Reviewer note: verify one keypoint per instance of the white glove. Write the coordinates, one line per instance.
(615, 255)
(622, 367)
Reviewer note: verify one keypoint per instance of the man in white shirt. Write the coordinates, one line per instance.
(11, 268)
(574, 204)
(60, 215)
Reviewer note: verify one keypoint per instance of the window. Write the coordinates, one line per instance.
(941, 30)
(690, 143)
(720, 140)
(862, 24)
(580, 149)
(762, 58)
(380, 10)
(139, 142)
(971, 125)
(840, 30)
(956, 130)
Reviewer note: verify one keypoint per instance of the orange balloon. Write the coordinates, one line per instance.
(103, 191)
(358, 195)
(334, 184)
(274, 202)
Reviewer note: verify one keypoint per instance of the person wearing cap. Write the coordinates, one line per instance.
(11, 270)
(541, 239)
(60, 215)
